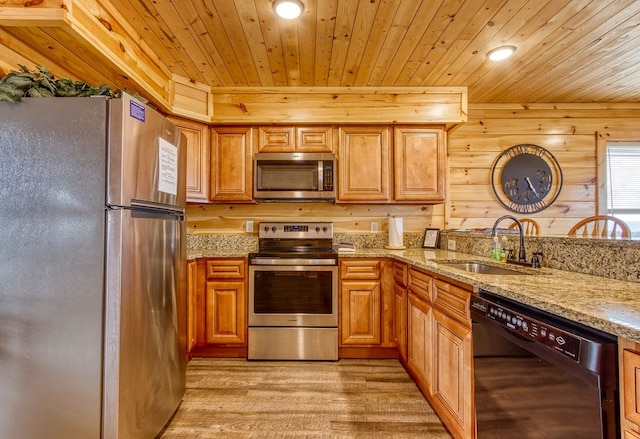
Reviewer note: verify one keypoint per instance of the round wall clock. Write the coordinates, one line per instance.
(526, 178)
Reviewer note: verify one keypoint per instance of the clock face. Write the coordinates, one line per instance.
(526, 178)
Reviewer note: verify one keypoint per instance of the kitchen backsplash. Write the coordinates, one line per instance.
(617, 259)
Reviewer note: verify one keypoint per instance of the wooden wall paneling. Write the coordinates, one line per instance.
(346, 218)
(474, 146)
(368, 105)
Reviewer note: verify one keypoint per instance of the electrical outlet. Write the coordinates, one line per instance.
(374, 227)
(451, 244)
(248, 226)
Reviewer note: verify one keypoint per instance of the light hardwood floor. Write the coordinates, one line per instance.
(236, 398)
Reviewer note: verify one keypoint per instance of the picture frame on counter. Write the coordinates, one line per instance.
(430, 239)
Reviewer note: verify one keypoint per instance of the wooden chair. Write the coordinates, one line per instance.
(531, 227)
(600, 226)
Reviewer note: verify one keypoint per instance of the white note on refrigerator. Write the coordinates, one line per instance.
(167, 168)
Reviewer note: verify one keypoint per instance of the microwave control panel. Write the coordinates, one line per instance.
(327, 178)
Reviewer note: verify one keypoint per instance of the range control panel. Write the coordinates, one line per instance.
(308, 230)
(530, 328)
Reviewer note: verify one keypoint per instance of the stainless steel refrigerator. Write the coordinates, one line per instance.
(92, 269)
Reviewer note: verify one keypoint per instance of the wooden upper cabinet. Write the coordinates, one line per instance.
(231, 164)
(197, 135)
(364, 164)
(419, 164)
(314, 139)
(276, 139)
(295, 139)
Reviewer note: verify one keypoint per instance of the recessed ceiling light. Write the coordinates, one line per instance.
(500, 53)
(288, 9)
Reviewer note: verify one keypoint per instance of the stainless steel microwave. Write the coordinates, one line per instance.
(294, 176)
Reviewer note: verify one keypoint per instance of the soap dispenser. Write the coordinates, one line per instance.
(495, 249)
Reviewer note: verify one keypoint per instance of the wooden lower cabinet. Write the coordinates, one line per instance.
(224, 312)
(629, 360)
(192, 317)
(220, 315)
(420, 340)
(400, 320)
(366, 309)
(360, 322)
(452, 385)
(440, 352)
(400, 308)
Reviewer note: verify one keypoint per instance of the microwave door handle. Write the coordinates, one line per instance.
(320, 179)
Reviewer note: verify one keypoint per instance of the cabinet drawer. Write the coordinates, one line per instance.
(400, 273)
(360, 269)
(226, 269)
(453, 300)
(276, 139)
(420, 284)
(314, 139)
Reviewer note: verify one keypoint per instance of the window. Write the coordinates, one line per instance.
(622, 180)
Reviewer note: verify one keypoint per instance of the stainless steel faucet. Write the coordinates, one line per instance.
(521, 253)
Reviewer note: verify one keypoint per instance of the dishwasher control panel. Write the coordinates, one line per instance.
(529, 327)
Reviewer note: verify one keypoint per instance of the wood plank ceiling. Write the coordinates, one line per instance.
(567, 50)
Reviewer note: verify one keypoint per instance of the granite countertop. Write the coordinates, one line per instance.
(607, 304)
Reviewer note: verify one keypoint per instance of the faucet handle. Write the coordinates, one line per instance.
(536, 260)
(510, 255)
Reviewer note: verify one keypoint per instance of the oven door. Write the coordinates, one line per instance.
(293, 296)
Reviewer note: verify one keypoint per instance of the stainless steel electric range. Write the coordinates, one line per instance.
(293, 293)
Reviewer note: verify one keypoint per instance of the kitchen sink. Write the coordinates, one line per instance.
(481, 268)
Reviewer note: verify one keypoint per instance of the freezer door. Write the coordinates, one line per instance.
(147, 155)
(145, 340)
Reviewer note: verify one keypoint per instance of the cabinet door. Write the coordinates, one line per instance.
(419, 343)
(364, 164)
(276, 139)
(360, 312)
(314, 139)
(630, 373)
(192, 317)
(419, 164)
(452, 375)
(197, 135)
(400, 320)
(231, 164)
(225, 312)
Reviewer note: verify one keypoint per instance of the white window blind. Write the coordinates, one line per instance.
(623, 183)
(623, 179)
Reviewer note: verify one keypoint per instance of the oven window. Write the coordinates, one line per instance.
(292, 292)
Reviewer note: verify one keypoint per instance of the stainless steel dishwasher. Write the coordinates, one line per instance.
(538, 375)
